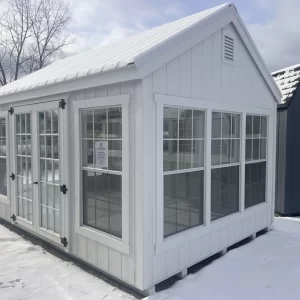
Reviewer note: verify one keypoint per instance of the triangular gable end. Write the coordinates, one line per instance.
(172, 48)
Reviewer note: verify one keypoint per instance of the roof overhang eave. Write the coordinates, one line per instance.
(127, 73)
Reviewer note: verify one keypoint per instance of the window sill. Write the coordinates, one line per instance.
(4, 199)
(103, 238)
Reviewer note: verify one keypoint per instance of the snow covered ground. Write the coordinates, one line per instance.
(266, 268)
(28, 272)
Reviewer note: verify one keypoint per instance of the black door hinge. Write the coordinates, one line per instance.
(14, 218)
(11, 110)
(12, 176)
(63, 189)
(64, 241)
(62, 104)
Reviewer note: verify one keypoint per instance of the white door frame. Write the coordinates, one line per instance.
(34, 109)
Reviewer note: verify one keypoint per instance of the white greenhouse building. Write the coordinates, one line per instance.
(148, 155)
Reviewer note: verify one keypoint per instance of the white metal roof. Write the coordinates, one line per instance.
(287, 80)
(110, 57)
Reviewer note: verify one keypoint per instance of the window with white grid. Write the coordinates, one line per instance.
(183, 152)
(256, 159)
(225, 164)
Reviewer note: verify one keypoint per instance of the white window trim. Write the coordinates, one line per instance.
(6, 199)
(161, 244)
(266, 160)
(189, 170)
(240, 164)
(111, 241)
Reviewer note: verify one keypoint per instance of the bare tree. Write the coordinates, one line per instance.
(15, 30)
(50, 20)
(32, 34)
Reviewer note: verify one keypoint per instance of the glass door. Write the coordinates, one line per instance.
(38, 168)
(23, 174)
(49, 173)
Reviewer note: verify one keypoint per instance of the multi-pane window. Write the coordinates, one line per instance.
(3, 151)
(256, 154)
(49, 170)
(183, 152)
(101, 138)
(24, 169)
(225, 161)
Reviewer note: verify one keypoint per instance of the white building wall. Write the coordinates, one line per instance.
(127, 268)
(120, 265)
(199, 73)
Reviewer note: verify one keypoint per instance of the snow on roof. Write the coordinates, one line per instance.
(110, 57)
(287, 80)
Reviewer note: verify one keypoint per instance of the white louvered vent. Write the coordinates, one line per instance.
(228, 50)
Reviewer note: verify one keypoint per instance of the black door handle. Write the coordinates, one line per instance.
(36, 182)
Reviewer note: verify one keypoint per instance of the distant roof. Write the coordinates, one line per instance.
(110, 57)
(287, 80)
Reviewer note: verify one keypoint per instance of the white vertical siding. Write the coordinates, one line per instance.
(105, 258)
(185, 74)
(200, 73)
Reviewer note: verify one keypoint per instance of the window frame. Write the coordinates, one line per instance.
(191, 169)
(120, 244)
(162, 245)
(6, 199)
(266, 159)
(228, 165)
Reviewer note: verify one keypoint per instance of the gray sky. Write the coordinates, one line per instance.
(273, 24)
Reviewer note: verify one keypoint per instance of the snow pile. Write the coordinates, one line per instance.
(266, 268)
(28, 272)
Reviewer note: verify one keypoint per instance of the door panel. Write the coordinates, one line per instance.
(49, 188)
(24, 166)
(37, 135)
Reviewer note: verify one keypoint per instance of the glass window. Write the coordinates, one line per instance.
(256, 154)
(101, 149)
(3, 151)
(256, 137)
(225, 159)
(183, 148)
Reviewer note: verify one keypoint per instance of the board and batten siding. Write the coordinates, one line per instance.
(125, 267)
(199, 73)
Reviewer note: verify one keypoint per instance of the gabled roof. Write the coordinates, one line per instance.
(113, 56)
(287, 80)
(144, 53)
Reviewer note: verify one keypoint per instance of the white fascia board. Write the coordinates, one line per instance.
(159, 56)
(156, 58)
(249, 43)
(110, 77)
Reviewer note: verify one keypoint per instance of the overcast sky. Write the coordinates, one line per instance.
(273, 24)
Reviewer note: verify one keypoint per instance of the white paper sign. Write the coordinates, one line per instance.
(101, 154)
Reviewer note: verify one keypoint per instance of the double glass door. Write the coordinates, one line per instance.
(37, 135)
